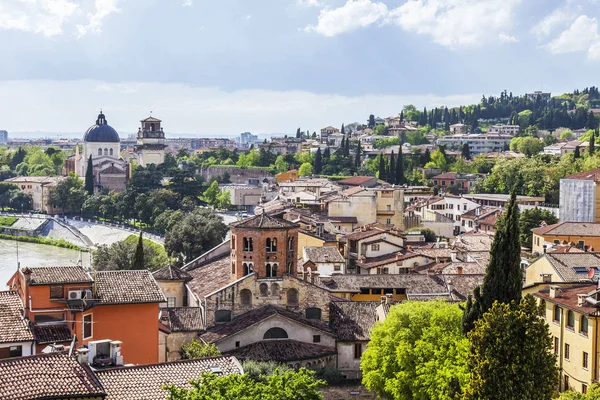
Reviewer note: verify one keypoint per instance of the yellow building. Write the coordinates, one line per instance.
(382, 204)
(572, 315)
(586, 235)
(560, 268)
(308, 239)
(288, 176)
(39, 188)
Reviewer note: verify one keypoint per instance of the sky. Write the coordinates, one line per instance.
(221, 67)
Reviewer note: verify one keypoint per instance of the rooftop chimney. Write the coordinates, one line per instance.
(581, 299)
(459, 270)
(82, 355)
(554, 292)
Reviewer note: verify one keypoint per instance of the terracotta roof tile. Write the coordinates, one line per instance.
(47, 376)
(122, 287)
(57, 275)
(356, 180)
(219, 272)
(264, 221)
(279, 350)
(568, 297)
(51, 333)
(591, 175)
(171, 273)
(184, 319)
(145, 381)
(412, 283)
(324, 254)
(569, 229)
(13, 327)
(352, 321)
(564, 264)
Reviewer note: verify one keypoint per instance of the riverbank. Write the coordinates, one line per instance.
(42, 240)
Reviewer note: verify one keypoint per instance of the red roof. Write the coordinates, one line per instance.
(446, 175)
(356, 180)
(591, 175)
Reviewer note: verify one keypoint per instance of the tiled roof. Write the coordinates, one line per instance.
(122, 287)
(171, 273)
(467, 268)
(47, 376)
(372, 262)
(569, 229)
(352, 321)
(413, 283)
(13, 327)
(446, 175)
(568, 297)
(254, 316)
(219, 272)
(57, 275)
(145, 381)
(433, 253)
(51, 333)
(473, 242)
(591, 175)
(264, 221)
(184, 319)
(343, 220)
(286, 350)
(356, 180)
(564, 263)
(323, 254)
(462, 285)
(361, 233)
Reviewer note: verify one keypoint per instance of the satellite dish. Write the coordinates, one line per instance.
(591, 273)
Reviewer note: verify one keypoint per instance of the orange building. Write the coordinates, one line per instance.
(288, 176)
(63, 303)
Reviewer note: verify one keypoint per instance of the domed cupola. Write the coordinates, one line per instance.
(101, 132)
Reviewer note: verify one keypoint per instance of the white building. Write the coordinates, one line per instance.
(151, 143)
(478, 143)
(16, 340)
(504, 129)
(451, 207)
(324, 261)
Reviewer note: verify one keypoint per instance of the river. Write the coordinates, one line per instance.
(34, 255)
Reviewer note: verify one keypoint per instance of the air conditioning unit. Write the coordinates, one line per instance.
(75, 294)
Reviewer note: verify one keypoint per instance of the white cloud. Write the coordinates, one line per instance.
(457, 23)
(582, 35)
(557, 18)
(72, 106)
(248, 17)
(308, 3)
(187, 3)
(45, 17)
(103, 8)
(352, 15)
(507, 38)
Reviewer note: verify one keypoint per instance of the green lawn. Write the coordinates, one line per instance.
(8, 221)
(159, 249)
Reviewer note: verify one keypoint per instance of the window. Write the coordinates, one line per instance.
(581, 244)
(171, 302)
(105, 151)
(583, 325)
(248, 245)
(556, 314)
(246, 297)
(291, 243)
(110, 152)
(57, 292)
(374, 247)
(388, 221)
(555, 346)
(222, 316)
(292, 297)
(247, 268)
(386, 271)
(337, 267)
(443, 183)
(275, 333)
(237, 344)
(316, 338)
(15, 351)
(584, 363)
(271, 245)
(570, 320)
(274, 289)
(556, 241)
(357, 350)
(263, 288)
(99, 152)
(583, 388)
(233, 267)
(567, 351)
(88, 321)
(313, 313)
(389, 208)
(566, 379)
(233, 240)
(54, 317)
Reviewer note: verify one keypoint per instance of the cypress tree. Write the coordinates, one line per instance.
(343, 130)
(466, 151)
(347, 147)
(392, 174)
(318, 162)
(89, 177)
(357, 155)
(577, 154)
(503, 279)
(342, 146)
(593, 143)
(298, 134)
(382, 168)
(138, 257)
(400, 168)
(326, 154)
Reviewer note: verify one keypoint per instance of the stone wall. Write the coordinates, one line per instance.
(236, 175)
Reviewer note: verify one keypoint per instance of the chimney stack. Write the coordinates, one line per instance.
(459, 270)
(82, 355)
(554, 292)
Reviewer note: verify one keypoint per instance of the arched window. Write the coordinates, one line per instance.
(273, 244)
(248, 245)
(152, 127)
(583, 325)
(269, 245)
(269, 271)
(246, 297)
(105, 151)
(246, 269)
(292, 297)
(556, 314)
(313, 313)
(99, 152)
(291, 243)
(263, 288)
(275, 333)
(222, 316)
(274, 289)
(274, 270)
(110, 152)
(289, 268)
(570, 319)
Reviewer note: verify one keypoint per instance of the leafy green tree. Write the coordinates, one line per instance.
(530, 146)
(466, 152)
(20, 201)
(198, 232)
(17, 158)
(288, 385)
(89, 177)
(6, 191)
(343, 131)
(119, 255)
(167, 219)
(567, 135)
(400, 178)
(281, 165)
(212, 193)
(224, 200)
(417, 352)
(138, 257)
(347, 147)
(533, 218)
(260, 370)
(319, 161)
(68, 194)
(438, 160)
(503, 279)
(298, 134)
(430, 235)
(305, 169)
(592, 394)
(145, 179)
(511, 355)
(198, 349)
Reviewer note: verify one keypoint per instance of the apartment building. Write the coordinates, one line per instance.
(478, 143)
(504, 129)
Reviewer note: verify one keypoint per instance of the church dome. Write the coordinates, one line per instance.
(101, 132)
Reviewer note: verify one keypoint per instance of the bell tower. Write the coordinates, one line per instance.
(151, 143)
